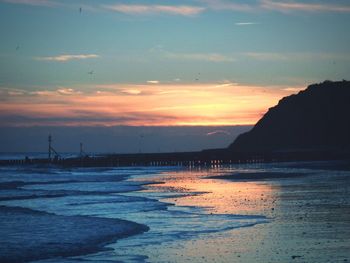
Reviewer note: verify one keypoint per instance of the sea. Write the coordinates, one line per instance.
(119, 214)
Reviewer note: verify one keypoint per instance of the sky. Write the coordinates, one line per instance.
(116, 139)
(85, 63)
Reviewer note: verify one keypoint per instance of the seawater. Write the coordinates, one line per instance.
(51, 214)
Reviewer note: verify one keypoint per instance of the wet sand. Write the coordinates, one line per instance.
(291, 212)
(258, 176)
(309, 216)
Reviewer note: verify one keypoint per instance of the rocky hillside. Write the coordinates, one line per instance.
(317, 118)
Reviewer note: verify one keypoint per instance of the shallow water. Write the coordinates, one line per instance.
(191, 215)
(100, 193)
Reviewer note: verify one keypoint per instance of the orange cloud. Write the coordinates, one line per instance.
(129, 104)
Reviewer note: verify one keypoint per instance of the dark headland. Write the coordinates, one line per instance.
(311, 125)
(316, 119)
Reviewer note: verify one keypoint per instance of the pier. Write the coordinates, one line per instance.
(208, 158)
(205, 158)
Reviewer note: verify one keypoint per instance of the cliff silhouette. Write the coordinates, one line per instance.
(315, 119)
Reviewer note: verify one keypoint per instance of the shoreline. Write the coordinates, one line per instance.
(308, 217)
(53, 236)
(197, 215)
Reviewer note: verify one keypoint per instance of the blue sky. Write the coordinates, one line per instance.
(256, 42)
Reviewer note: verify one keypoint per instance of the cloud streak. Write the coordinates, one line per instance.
(218, 132)
(208, 57)
(246, 23)
(133, 9)
(290, 6)
(203, 6)
(222, 5)
(280, 6)
(290, 56)
(153, 81)
(265, 56)
(65, 58)
(46, 3)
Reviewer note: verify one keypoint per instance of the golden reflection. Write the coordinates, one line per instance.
(217, 195)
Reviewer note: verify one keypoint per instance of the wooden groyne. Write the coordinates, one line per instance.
(203, 158)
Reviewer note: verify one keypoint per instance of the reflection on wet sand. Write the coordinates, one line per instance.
(217, 196)
(308, 216)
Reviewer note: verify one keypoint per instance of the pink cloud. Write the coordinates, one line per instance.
(132, 9)
(297, 6)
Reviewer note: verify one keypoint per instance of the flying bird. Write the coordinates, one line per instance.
(91, 72)
(80, 10)
(17, 48)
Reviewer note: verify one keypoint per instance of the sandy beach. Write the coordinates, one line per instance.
(286, 212)
(308, 216)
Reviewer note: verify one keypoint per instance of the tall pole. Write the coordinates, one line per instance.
(50, 140)
(81, 149)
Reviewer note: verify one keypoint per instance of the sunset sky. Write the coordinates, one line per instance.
(167, 63)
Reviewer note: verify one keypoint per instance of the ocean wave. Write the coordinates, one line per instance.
(89, 195)
(40, 235)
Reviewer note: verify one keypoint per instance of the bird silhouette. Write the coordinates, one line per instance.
(80, 10)
(91, 72)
